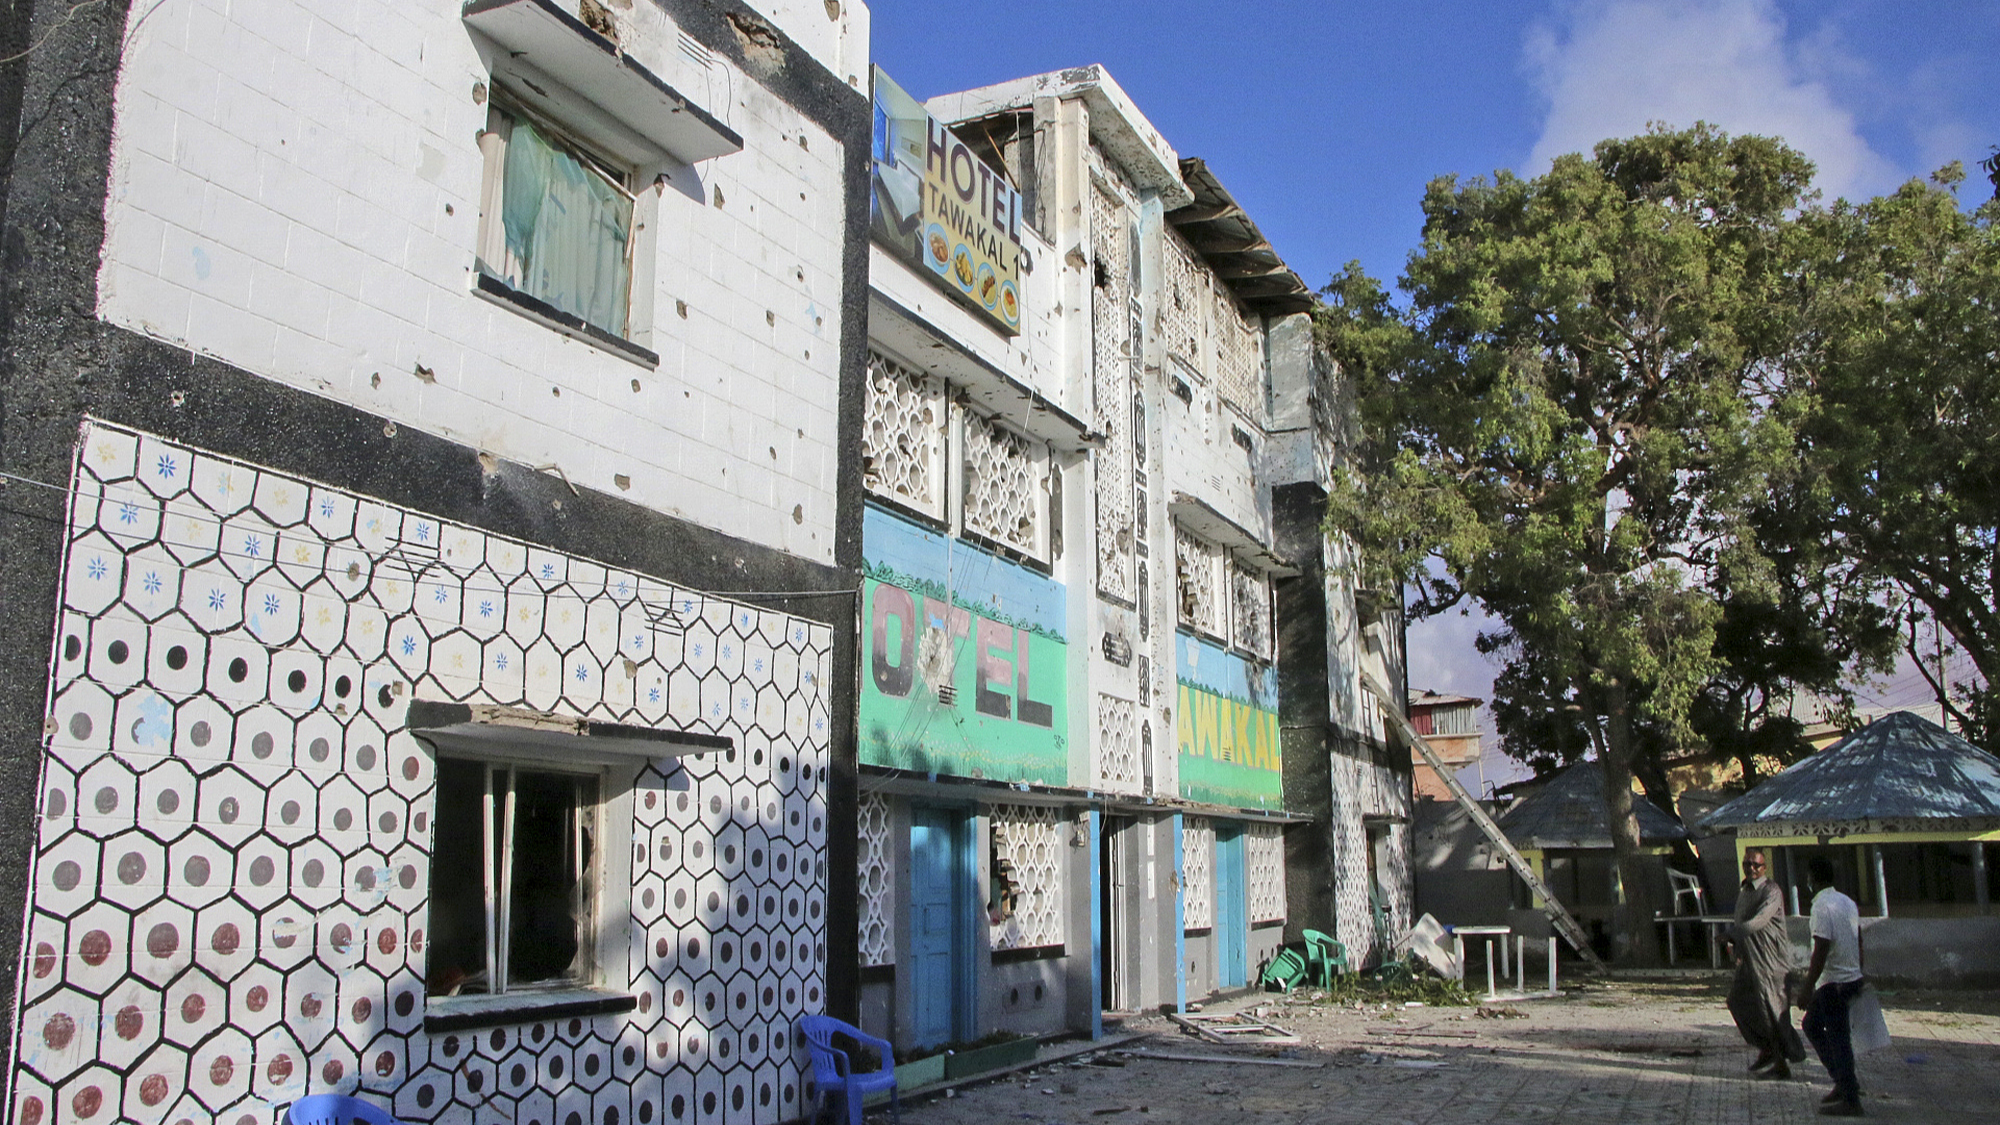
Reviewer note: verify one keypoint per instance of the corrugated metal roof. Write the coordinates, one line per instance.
(1898, 768)
(1569, 813)
(1215, 225)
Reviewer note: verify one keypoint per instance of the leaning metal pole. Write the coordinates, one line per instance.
(1559, 916)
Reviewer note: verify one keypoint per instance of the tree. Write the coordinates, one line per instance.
(1570, 418)
(1897, 394)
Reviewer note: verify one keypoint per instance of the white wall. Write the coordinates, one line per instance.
(295, 191)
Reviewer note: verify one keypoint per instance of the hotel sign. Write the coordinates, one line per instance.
(935, 204)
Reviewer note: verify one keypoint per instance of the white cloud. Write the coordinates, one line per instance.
(1611, 69)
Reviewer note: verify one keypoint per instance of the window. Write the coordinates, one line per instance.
(558, 225)
(579, 137)
(1008, 494)
(515, 878)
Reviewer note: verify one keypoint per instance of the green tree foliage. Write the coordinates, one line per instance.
(1571, 423)
(1897, 397)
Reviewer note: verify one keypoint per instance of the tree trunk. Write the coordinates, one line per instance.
(1632, 940)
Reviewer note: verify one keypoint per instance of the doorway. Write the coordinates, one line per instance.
(1114, 925)
(941, 908)
(1232, 909)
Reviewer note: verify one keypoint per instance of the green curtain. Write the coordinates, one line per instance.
(568, 228)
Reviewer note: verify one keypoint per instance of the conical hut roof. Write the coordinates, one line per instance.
(1568, 812)
(1900, 772)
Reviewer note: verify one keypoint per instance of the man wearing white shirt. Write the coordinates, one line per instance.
(1832, 982)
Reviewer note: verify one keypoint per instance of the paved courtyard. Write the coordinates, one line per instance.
(1641, 1051)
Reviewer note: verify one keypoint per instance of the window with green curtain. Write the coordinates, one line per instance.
(568, 229)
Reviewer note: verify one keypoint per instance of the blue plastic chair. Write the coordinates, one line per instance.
(337, 1109)
(833, 1071)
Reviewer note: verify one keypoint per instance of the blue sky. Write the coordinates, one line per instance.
(1327, 119)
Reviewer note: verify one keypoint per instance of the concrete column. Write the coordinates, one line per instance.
(1881, 882)
(1979, 892)
(1791, 883)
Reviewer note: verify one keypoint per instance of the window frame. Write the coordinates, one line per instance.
(607, 150)
(607, 984)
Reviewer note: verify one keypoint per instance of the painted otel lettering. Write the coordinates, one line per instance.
(1001, 654)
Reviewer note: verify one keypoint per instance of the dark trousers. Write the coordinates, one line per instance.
(1826, 1026)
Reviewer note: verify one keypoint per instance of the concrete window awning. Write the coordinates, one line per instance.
(1197, 516)
(993, 392)
(551, 55)
(543, 735)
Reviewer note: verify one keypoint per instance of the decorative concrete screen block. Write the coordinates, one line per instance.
(1029, 839)
(1239, 357)
(233, 896)
(1198, 873)
(1181, 305)
(877, 881)
(1006, 487)
(1264, 864)
(1196, 566)
(1117, 742)
(1250, 617)
(902, 442)
(1111, 390)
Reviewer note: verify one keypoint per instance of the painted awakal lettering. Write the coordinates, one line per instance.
(935, 204)
(1230, 752)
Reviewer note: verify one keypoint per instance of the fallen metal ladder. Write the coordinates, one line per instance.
(1559, 916)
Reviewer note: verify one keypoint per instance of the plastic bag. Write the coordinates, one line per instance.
(1866, 1029)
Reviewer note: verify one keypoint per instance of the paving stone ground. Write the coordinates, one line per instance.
(1656, 1051)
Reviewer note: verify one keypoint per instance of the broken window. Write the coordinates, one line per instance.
(514, 878)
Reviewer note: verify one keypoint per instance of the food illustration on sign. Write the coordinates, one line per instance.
(938, 204)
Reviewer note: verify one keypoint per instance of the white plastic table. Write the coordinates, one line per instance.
(1491, 934)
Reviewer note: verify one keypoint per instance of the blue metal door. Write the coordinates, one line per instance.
(937, 911)
(1232, 922)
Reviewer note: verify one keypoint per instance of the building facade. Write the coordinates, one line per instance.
(1075, 790)
(427, 438)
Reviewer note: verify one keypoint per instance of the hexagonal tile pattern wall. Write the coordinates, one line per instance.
(231, 881)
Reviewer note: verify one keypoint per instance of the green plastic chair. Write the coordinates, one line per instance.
(1285, 970)
(1326, 957)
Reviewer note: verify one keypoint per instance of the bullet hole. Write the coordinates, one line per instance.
(801, 274)
(718, 198)
(375, 380)
(622, 481)
(819, 321)
(556, 391)
(479, 93)
(424, 374)
(557, 504)
(798, 513)
(809, 353)
(681, 307)
(635, 386)
(448, 210)
(388, 429)
(774, 452)
(802, 140)
(177, 399)
(770, 318)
